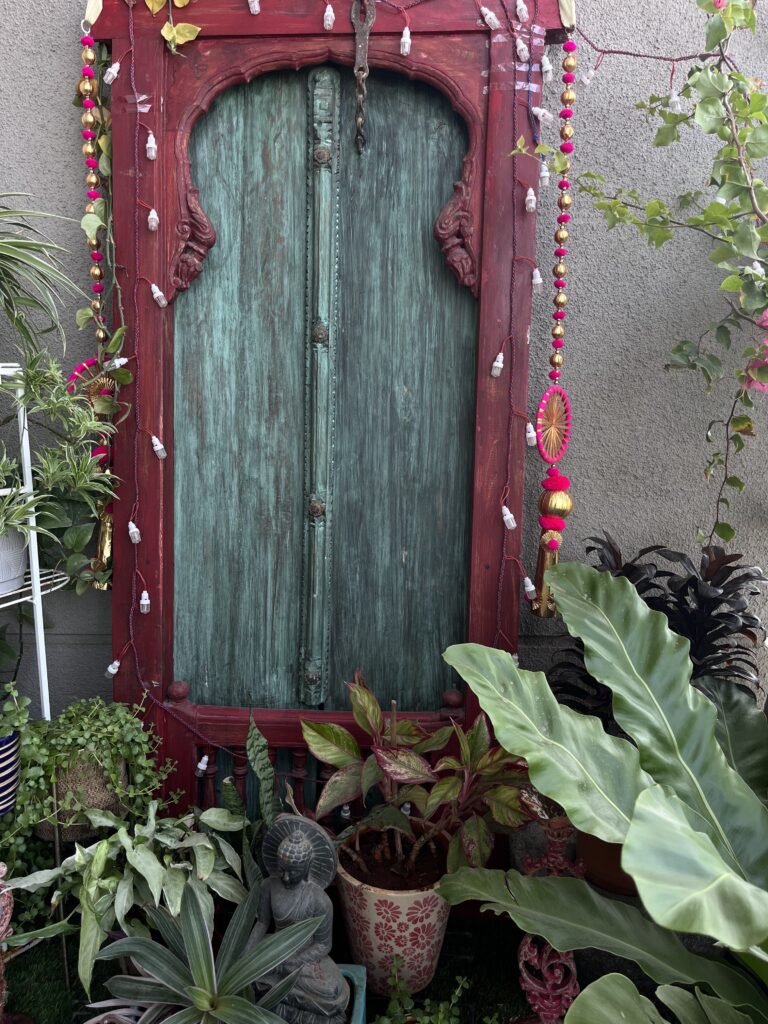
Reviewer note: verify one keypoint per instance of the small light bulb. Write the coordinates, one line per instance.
(116, 363)
(151, 147)
(134, 533)
(758, 268)
(530, 590)
(144, 602)
(586, 78)
(675, 103)
(113, 669)
(516, 660)
(490, 19)
(530, 201)
(523, 53)
(721, 200)
(406, 808)
(254, 6)
(157, 447)
(522, 11)
(158, 296)
(546, 69)
(111, 73)
(530, 435)
(498, 365)
(153, 221)
(329, 17)
(509, 520)
(345, 813)
(542, 114)
(543, 175)
(537, 281)
(405, 42)
(202, 766)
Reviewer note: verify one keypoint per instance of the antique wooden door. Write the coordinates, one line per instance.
(323, 399)
(338, 450)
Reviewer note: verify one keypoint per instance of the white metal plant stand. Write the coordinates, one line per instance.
(36, 583)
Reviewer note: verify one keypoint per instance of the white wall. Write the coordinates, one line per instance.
(638, 448)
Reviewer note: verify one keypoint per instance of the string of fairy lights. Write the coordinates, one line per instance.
(550, 429)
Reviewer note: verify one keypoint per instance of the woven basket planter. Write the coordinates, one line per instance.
(90, 784)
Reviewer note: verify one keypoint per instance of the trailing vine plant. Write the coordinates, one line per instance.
(719, 100)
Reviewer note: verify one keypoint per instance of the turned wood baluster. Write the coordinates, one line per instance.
(209, 781)
(240, 772)
(299, 774)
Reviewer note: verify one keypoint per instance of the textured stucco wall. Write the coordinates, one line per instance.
(638, 450)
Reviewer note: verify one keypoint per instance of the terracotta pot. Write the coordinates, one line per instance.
(385, 923)
(602, 862)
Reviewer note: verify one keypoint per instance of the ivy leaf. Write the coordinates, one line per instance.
(155, 6)
(710, 114)
(732, 283)
(180, 3)
(716, 32)
(91, 224)
(725, 531)
(743, 425)
(736, 483)
(746, 240)
(83, 317)
(121, 376)
(666, 135)
(757, 147)
(177, 35)
(116, 341)
(759, 373)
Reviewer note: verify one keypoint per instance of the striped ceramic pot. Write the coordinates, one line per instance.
(10, 769)
(386, 923)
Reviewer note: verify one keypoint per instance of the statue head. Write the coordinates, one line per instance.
(294, 858)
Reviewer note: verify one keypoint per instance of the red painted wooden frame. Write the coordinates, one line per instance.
(453, 51)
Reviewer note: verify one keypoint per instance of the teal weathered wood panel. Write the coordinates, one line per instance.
(238, 404)
(405, 402)
(277, 426)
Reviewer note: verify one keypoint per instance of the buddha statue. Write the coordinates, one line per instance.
(301, 860)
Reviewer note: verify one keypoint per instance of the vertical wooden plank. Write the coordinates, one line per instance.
(405, 404)
(239, 389)
(322, 288)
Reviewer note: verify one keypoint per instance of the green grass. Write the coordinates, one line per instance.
(36, 984)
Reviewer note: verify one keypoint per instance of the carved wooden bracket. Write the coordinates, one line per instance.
(455, 227)
(195, 236)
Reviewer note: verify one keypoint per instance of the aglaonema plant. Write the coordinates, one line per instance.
(472, 784)
(686, 797)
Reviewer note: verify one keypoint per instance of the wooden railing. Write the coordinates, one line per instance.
(189, 731)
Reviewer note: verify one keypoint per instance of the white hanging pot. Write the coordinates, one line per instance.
(13, 561)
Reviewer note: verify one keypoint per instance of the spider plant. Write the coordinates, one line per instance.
(31, 279)
(182, 982)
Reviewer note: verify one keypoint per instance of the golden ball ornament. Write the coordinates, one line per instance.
(561, 235)
(93, 243)
(90, 208)
(96, 273)
(87, 120)
(88, 55)
(566, 165)
(567, 132)
(558, 331)
(89, 149)
(92, 180)
(96, 305)
(556, 360)
(548, 537)
(570, 63)
(560, 300)
(568, 96)
(560, 269)
(101, 335)
(555, 503)
(565, 201)
(85, 87)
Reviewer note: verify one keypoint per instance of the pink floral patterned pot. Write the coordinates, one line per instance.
(385, 923)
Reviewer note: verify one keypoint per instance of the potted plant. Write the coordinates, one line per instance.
(430, 817)
(685, 799)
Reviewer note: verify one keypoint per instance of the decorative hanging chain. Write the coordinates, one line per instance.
(363, 16)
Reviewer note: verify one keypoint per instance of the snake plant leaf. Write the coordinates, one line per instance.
(682, 879)
(610, 999)
(257, 749)
(631, 649)
(741, 731)
(569, 914)
(571, 759)
(698, 1008)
